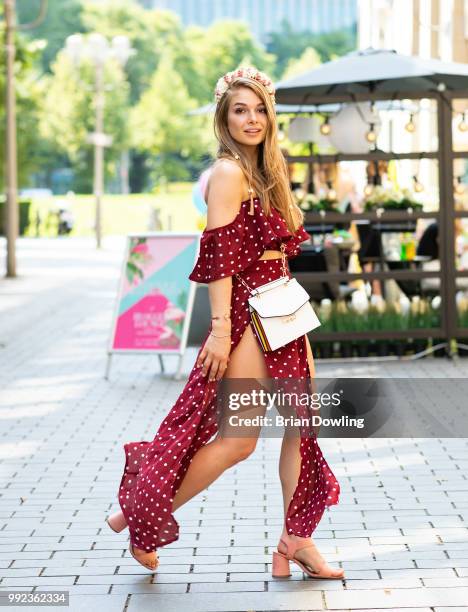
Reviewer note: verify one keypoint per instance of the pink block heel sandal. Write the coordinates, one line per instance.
(149, 567)
(281, 569)
(116, 522)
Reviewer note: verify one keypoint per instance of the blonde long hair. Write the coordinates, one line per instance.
(270, 180)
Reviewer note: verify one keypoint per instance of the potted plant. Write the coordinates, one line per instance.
(309, 202)
(390, 198)
(359, 308)
(375, 313)
(343, 321)
(397, 319)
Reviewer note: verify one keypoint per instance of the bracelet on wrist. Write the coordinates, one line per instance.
(214, 336)
(221, 324)
(226, 317)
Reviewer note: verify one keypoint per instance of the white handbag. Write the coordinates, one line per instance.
(280, 310)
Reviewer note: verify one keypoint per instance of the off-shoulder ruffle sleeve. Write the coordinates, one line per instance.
(229, 249)
(292, 245)
(283, 234)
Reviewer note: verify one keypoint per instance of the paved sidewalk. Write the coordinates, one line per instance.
(400, 529)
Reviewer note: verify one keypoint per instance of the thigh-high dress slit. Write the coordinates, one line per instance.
(154, 470)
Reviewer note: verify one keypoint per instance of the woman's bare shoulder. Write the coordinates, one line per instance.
(227, 178)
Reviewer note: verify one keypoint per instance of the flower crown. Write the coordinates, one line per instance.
(249, 72)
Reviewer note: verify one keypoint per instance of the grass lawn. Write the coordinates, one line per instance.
(121, 214)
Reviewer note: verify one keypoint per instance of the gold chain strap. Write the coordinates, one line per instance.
(282, 247)
(283, 258)
(242, 281)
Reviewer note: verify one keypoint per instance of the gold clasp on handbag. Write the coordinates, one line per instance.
(289, 318)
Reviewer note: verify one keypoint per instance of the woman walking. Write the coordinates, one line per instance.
(252, 221)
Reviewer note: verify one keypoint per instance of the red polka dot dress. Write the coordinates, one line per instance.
(154, 470)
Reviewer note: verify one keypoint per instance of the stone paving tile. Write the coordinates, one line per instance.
(38, 581)
(78, 589)
(446, 572)
(18, 572)
(114, 579)
(25, 555)
(430, 555)
(158, 578)
(227, 587)
(399, 530)
(456, 554)
(84, 554)
(149, 588)
(230, 567)
(311, 584)
(399, 598)
(235, 602)
(445, 582)
(459, 562)
(97, 603)
(162, 570)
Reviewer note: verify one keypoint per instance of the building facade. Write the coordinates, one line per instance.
(427, 28)
(264, 16)
(436, 29)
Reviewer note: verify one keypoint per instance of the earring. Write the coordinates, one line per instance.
(236, 156)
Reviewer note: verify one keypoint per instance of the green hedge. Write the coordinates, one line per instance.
(24, 208)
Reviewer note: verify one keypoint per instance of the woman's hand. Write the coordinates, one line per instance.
(215, 354)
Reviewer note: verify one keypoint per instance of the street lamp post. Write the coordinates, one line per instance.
(96, 47)
(98, 184)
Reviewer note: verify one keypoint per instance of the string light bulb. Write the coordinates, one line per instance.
(459, 186)
(325, 128)
(368, 189)
(418, 187)
(463, 125)
(371, 136)
(410, 126)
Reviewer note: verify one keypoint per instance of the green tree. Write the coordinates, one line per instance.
(151, 33)
(67, 114)
(309, 60)
(287, 44)
(330, 45)
(225, 45)
(63, 17)
(28, 95)
(161, 127)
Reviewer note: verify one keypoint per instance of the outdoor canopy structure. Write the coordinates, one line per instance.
(372, 71)
(372, 75)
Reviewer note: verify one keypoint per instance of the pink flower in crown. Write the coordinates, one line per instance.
(248, 71)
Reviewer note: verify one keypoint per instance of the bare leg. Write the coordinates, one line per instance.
(206, 466)
(290, 457)
(289, 468)
(246, 361)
